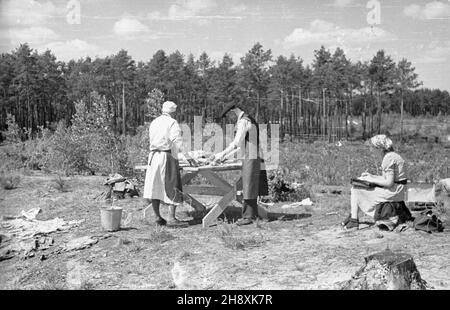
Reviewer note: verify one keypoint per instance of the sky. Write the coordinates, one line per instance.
(417, 30)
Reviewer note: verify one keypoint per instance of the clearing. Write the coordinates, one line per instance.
(304, 248)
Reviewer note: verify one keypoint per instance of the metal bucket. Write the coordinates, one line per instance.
(110, 218)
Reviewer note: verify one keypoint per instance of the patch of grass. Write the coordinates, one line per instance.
(184, 254)
(26, 171)
(159, 235)
(60, 184)
(136, 248)
(9, 181)
(87, 285)
(235, 239)
(52, 281)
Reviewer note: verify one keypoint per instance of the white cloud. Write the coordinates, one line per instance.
(240, 8)
(435, 53)
(27, 21)
(431, 10)
(193, 10)
(343, 3)
(190, 8)
(27, 12)
(127, 26)
(326, 33)
(32, 35)
(74, 49)
(156, 15)
(322, 26)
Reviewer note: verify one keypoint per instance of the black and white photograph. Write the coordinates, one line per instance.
(224, 151)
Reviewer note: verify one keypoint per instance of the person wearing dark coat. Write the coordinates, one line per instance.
(254, 176)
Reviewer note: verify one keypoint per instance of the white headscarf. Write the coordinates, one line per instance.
(169, 107)
(381, 142)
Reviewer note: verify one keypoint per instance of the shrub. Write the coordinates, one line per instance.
(60, 184)
(282, 187)
(65, 153)
(137, 147)
(9, 181)
(89, 145)
(35, 152)
(154, 102)
(13, 132)
(92, 132)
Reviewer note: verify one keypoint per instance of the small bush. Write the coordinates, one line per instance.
(136, 148)
(9, 181)
(281, 188)
(13, 132)
(154, 102)
(160, 235)
(59, 183)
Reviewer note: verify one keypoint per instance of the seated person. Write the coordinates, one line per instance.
(391, 186)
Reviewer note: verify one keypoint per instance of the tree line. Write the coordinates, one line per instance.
(316, 99)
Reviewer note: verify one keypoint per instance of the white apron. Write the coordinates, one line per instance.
(162, 179)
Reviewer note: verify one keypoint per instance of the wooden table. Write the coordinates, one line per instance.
(220, 187)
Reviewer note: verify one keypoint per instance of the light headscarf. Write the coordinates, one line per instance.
(169, 107)
(381, 142)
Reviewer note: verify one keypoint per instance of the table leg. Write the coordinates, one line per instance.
(225, 201)
(217, 210)
(197, 205)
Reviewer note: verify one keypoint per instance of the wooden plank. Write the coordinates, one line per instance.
(190, 169)
(187, 168)
(213, 168)
(217, 210)
(216, 180)
(226, 167)
(204, 190)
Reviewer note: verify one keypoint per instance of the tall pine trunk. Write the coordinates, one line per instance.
(124, 111)
(379, 111)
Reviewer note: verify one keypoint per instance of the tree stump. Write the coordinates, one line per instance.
(387, 271)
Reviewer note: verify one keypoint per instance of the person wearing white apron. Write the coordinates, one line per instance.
(254, 175)
(163, 179)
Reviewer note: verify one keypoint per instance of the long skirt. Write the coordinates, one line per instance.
(368, 199)
(163, 179)
(254, 179)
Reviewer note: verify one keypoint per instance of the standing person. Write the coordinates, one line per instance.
(390, 186)
(163, 179)
(254, 176)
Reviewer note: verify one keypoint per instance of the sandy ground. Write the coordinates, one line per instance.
(305, 249)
